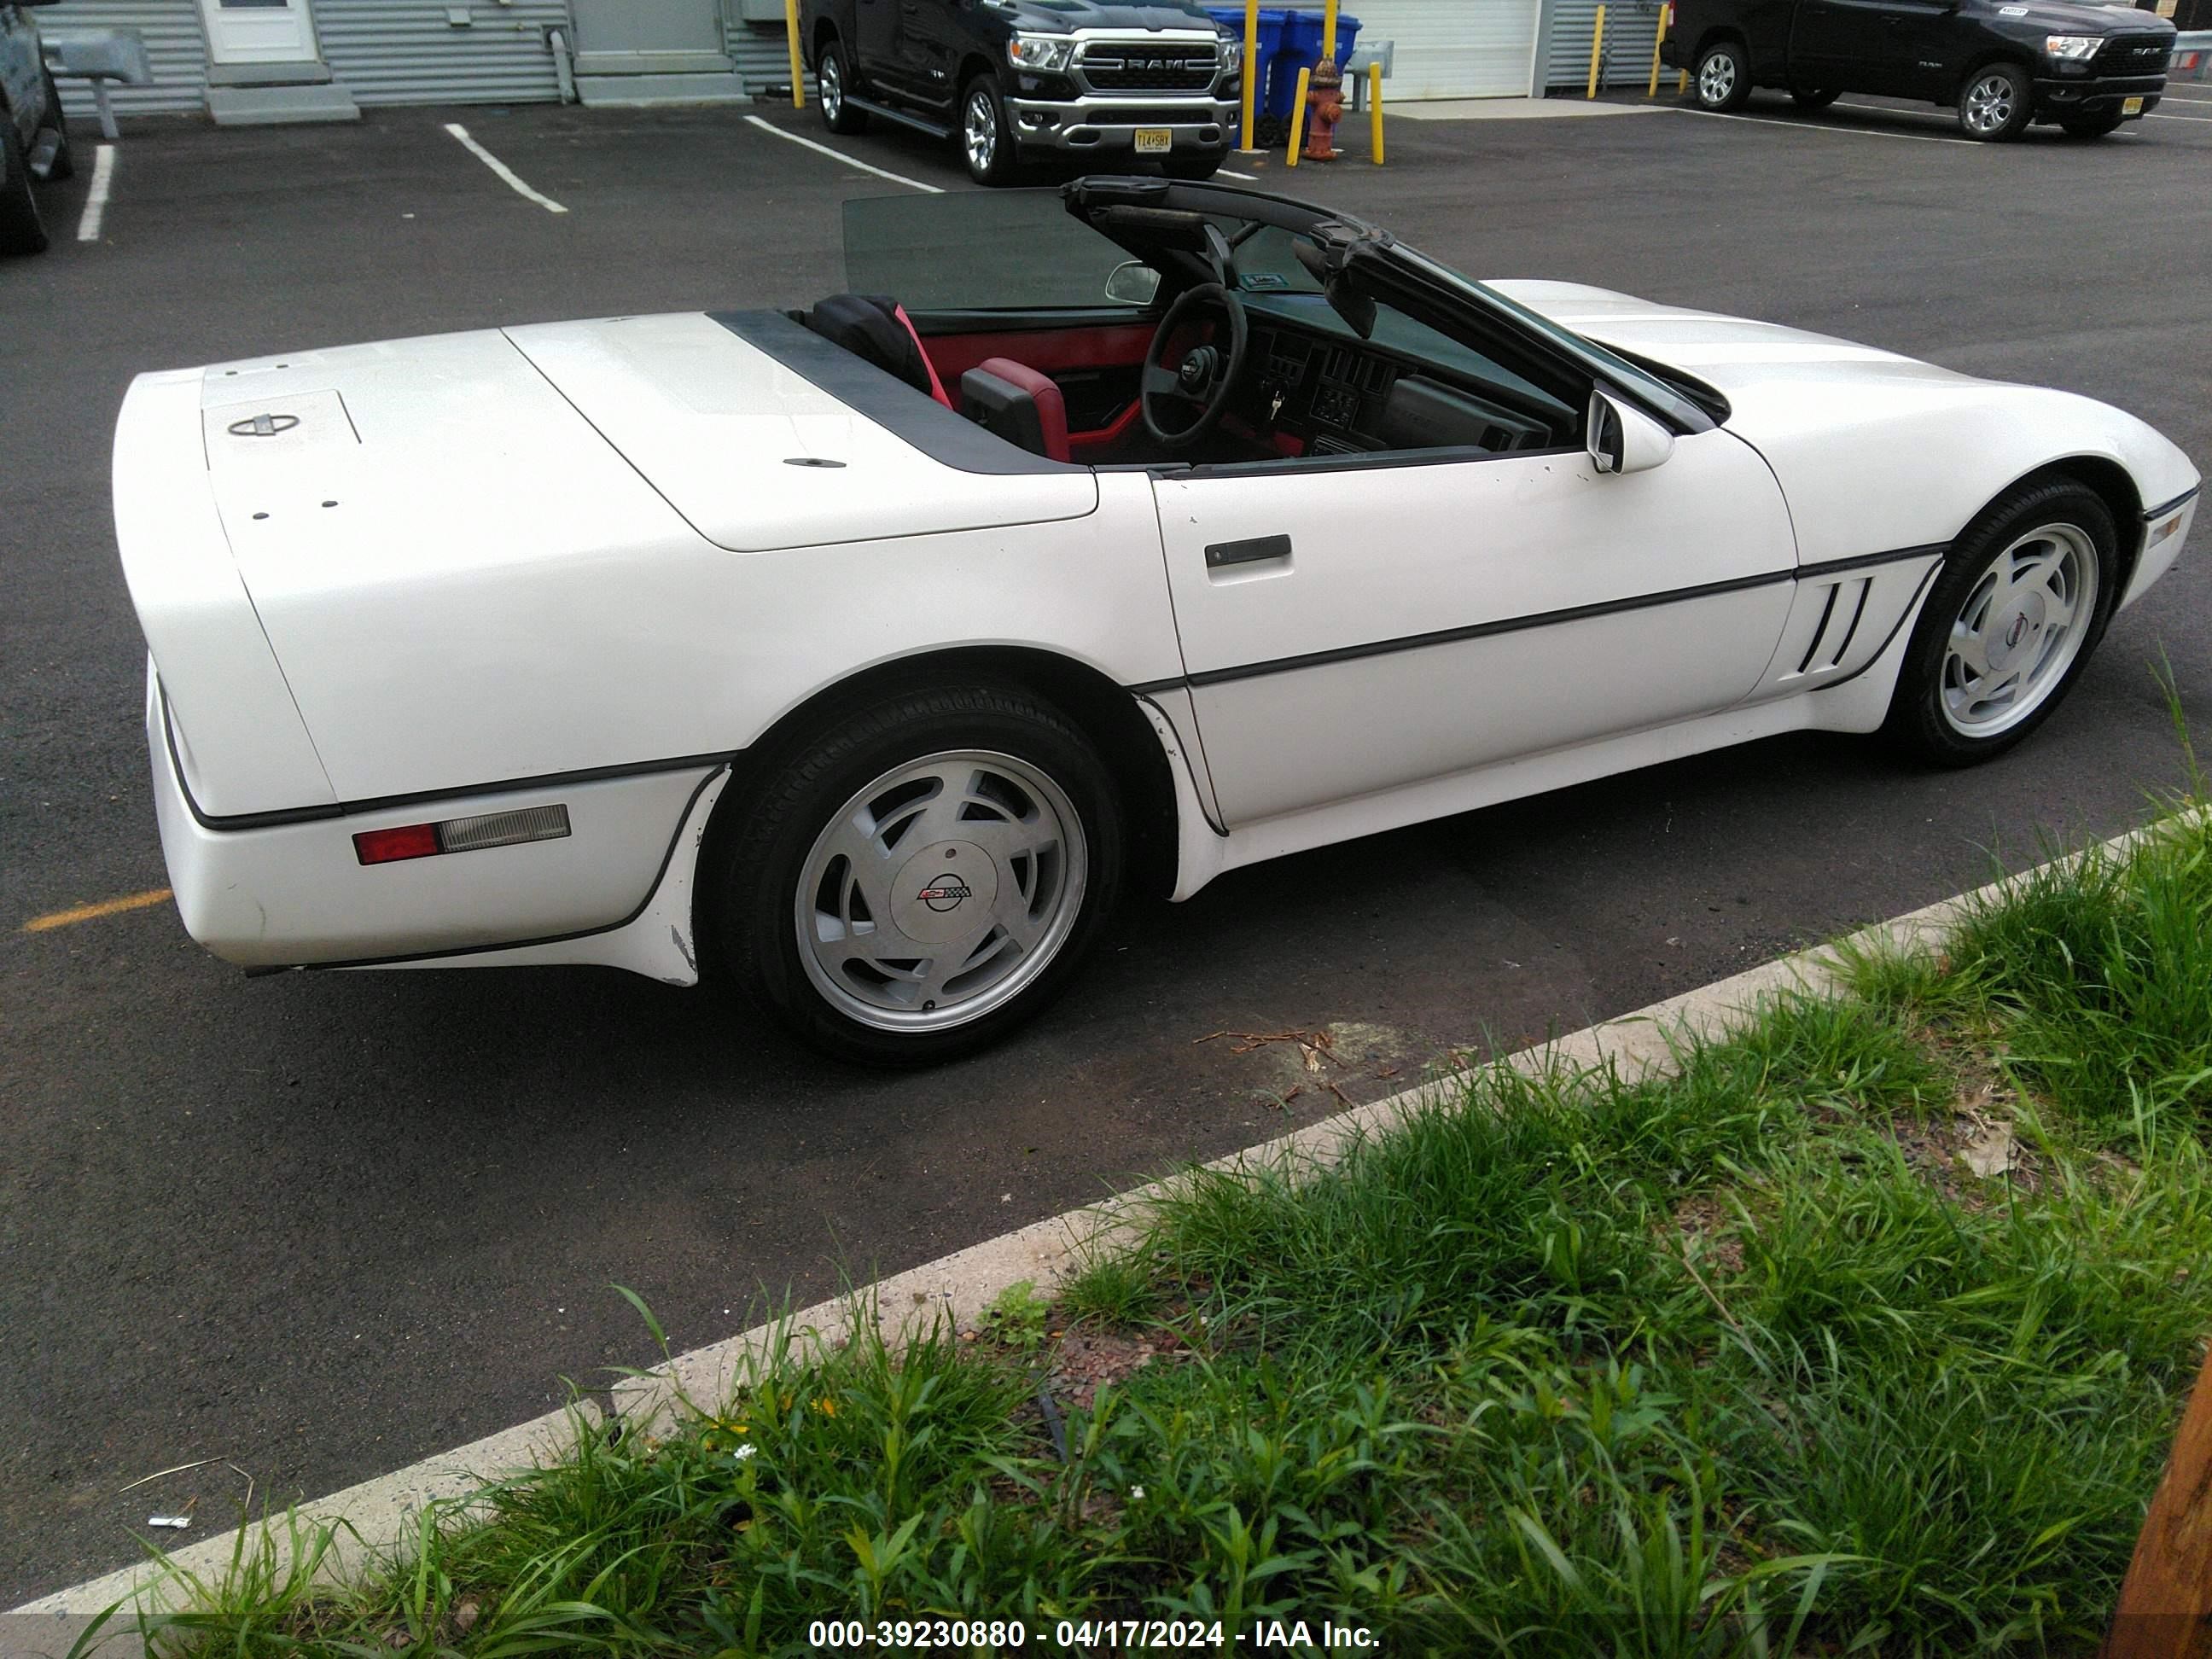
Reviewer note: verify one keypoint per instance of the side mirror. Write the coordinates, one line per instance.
(1622, 438)
(1132, 282)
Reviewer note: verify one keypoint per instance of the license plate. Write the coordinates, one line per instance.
(1158, 141)
(2133, 107)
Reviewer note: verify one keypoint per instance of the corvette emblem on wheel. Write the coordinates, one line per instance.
(944, 893)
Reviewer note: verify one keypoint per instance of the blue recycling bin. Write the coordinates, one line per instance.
(1301, 50)
(1272, 19)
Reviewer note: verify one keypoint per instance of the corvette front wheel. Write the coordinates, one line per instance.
(927, 875)
(2019, 604)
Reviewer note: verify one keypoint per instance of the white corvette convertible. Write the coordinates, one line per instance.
(860, 650)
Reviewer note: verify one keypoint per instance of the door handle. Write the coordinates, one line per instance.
(1252, 551)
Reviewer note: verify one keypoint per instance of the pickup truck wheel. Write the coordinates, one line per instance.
(65, 164)
(1722, 80)
(1996, 103)
(986, 140)
(22, 230)
(2020, 602)
(1819, 99)
(834, 80)
(929, 872)
(2090, 126)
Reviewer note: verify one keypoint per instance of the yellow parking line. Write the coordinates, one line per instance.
(92, 912)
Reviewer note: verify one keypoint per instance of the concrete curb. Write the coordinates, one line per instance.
(961, 1285)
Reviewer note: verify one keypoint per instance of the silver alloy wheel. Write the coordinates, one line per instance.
(2019, 629)
(832, 81)
(1716, 79)
(981, 130)
(941, 891)
(1988, 104)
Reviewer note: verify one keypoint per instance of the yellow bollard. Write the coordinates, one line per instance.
(1298, 118)
(1374, 109)
(1328, 30)
(1652, 91)
(1682, 84)
(1245, 144)
(798, 59)
(1597, 40)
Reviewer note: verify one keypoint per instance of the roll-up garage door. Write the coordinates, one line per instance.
(1453, 48)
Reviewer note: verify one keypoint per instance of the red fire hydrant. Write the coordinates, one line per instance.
(1324, 108)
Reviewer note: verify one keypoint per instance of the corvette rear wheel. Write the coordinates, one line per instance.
(929, 874)
(2019, 606)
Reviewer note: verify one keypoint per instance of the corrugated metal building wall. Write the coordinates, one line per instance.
(761, 53)
(175, 46)
(405, 52)
(1631, 28)
(1452, 48)
(383, 51)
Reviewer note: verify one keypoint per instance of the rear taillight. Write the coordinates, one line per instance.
(470, 834)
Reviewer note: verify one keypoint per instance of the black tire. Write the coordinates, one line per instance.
(1993, 114)
(65, 165)
(756, 864)
(833, 80)
(22, 229)
(1001, 165)
(1721, 79)
(1195, 168)
(1819, 98)
(1918, 721)
(2091, 126)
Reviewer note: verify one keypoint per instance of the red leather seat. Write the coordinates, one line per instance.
(1002, 394)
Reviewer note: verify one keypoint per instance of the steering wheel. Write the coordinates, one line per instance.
(1198, 385)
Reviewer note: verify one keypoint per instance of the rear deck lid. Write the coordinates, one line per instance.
(764, 435)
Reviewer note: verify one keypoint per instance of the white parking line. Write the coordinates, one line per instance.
(1248, 178)
(502, 168)
(95, 204)
(2160, 115)
(840, 156)
(1816, 126)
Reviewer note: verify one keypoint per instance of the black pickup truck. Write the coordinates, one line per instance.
(1024, 80)
(2001, 64)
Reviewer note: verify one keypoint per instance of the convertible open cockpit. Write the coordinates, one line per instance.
(1122, 330)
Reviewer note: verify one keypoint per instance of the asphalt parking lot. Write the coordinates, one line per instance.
(317, 1227)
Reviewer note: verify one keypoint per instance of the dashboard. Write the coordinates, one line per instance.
(1346, 400)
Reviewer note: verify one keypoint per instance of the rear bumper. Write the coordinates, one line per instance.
(1091, 125)
(293, 894)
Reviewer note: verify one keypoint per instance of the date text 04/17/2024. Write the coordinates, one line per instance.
(1089, 1635)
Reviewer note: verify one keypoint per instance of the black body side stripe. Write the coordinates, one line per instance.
(385, 803)
(1806, 573)
(1539, 619)
(2182, 499)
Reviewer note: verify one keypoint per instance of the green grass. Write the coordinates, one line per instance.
(1733, 1362)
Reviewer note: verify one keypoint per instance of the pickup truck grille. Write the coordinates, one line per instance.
(1111, 66)
(2133, 54)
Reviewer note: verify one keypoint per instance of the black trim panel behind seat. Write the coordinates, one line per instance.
(914, 417)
